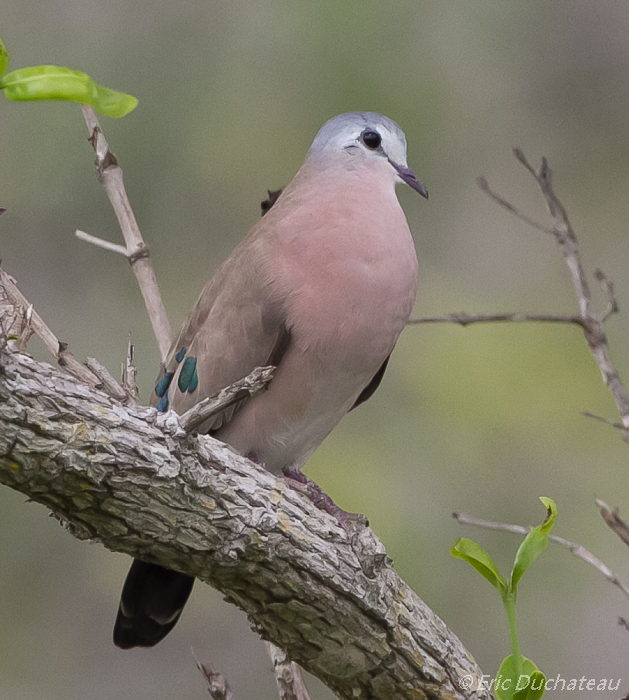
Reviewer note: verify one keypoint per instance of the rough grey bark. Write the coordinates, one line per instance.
(132, 480)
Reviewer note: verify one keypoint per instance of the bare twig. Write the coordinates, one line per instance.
(16, 297)
(129, 374)
(92, 372)
(562, 231)
(56, 347)
(11, 320)
(465, 319)
(576, 549)
(607, 287)
(100, 243)
(110, 176)
(484, 185)
(614, 521)
(27, 329)
(490, 524)
(602, 419)
(217, 685)
(290, 682)
(242, 389)
(110, 385)
(565, 236)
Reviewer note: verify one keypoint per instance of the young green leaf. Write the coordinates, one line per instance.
(530, 685)
(535, 689)
(476, 556)
(534, 543)
(4, 57)
(60, 83)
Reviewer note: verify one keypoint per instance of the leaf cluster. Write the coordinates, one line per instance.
(518, 678)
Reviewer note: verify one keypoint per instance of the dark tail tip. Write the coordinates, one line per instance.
(152, 601)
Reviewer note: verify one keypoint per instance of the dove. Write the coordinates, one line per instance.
(320, 288)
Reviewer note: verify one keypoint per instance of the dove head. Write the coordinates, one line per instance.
(369, 136)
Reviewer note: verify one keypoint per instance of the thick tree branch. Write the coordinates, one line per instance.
(136, 482)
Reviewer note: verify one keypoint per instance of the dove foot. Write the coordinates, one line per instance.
(300, 482)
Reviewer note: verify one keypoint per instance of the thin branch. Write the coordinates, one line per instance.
(565, 236)
(290, 682)
(129, 374)
(576, 549)
(490, 524)
(92, 372)
(27, 329)
(109, 384)
(562, 231)
(57, 348)
(100, 243)
(614, 521)
(238, 391)
(217, 685)
(110, 176)
(608, 288)
(484, 186)
(465, 319)
(16, 297)
(602, 419)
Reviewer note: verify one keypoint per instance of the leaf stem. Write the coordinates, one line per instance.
(509, 603)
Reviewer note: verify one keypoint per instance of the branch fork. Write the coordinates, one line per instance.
(109, 174)
(591, 323)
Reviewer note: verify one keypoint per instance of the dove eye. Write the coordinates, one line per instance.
(371, 139)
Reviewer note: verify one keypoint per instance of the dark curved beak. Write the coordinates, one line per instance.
(410, 179)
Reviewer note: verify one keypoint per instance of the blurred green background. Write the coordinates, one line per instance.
(481, 420)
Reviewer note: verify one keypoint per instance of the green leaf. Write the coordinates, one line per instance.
(534, 690)
(60, 83)
(528, 686)
(534, 543)
(476, 556)
(4, 57)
